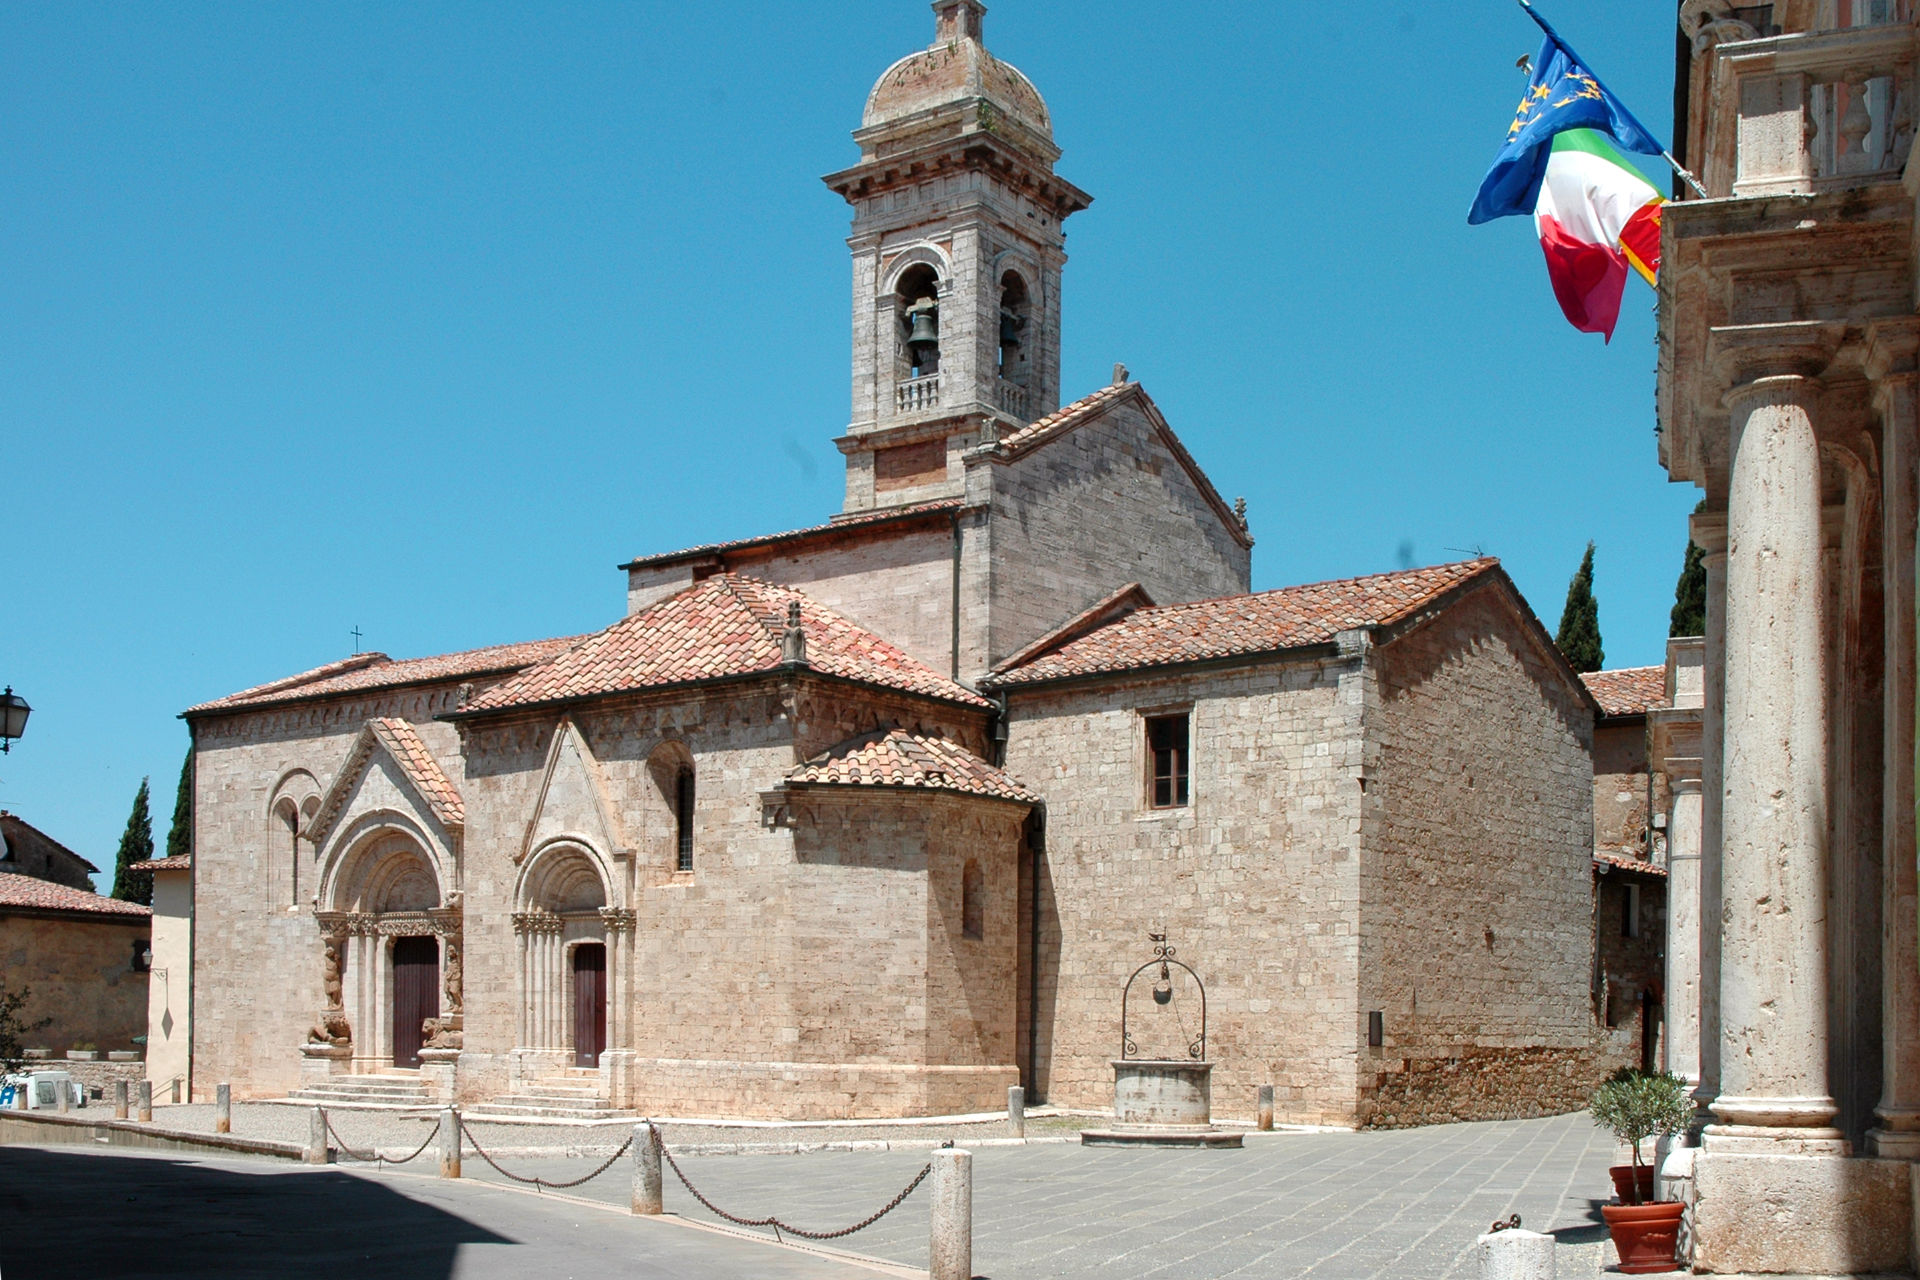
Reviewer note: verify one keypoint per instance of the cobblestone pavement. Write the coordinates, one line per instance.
(1404, 1205)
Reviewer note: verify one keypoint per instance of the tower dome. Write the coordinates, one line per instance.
(955, 68)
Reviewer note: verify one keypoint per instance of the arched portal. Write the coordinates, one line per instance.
(389, 935)
(570, 941)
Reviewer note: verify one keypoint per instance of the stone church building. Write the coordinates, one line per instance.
(876, 817)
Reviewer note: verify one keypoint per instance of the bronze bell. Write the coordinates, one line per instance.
(923, 330)
(1009, 330)
(1163, 989)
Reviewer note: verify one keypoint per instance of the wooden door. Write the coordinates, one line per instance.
(589, 1003)
(416, 995)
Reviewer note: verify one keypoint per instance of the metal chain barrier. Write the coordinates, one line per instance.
(543, 1183)
(374, 1156)
(777, 1225)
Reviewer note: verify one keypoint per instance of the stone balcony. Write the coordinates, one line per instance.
(917, 395)
(1809, 112)
(1014, 399)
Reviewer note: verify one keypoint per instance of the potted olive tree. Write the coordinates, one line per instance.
(1634, 1106)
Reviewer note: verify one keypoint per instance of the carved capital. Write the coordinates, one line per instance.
(618, 919)
(537, 923)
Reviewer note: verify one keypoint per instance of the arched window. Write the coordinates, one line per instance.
(1015, 314)
(917, 304)
(683, 819)
(287, 821)
(973, 900)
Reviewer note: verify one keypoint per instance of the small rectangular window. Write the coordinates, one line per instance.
(1167, 761)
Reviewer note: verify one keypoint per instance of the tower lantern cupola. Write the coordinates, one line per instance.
(958, 248)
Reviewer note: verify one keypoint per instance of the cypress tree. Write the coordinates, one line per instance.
(180, 833)
(136, 845)
(1579, 635)
(1689, 616)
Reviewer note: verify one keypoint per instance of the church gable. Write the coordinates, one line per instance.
(573, 800)
(1091, 498)
(389, 768)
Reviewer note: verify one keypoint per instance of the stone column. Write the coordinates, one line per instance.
(1709, 532)
(1773, 961)
(1891, 361)
(1683, 926)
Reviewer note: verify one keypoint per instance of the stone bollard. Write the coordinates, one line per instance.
(62, 1096)
(1016, 1111)
(223, 1108)
(950, 1251)
(143, 1106)
(450, 1142)
(316, 1137)
(647, 1186)
(119, 1099)
(1266, 1108)
(1515, 1255)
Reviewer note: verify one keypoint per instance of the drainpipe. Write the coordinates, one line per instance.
(193, 905)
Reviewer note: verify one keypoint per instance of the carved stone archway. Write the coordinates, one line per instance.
(566, 897)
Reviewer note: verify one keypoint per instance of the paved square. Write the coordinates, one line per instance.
(1402, 1205)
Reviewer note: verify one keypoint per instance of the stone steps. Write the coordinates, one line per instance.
(347, 1091)
(578, 1095)
(522, 1107)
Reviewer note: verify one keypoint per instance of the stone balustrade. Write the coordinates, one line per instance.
(917, 394)
(1803, 112)
(1015, 399)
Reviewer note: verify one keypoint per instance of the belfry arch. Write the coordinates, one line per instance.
(572, 933)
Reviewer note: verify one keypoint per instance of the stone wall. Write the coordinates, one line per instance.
(79, 972)
(1620, 790)
(1476, 924)
(258, 963)
(796, 969)
(1090, 511)
(1255, 881)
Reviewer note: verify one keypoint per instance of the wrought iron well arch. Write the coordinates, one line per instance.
(1164, 959)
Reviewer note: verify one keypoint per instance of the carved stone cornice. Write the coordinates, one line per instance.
(439, 922)
(1708, 529)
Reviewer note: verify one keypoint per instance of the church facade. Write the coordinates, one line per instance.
(876, 817)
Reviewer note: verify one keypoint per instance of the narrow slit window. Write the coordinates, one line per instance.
(1167, 761)
(683, 820)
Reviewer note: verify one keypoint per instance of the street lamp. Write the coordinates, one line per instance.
(13, 718)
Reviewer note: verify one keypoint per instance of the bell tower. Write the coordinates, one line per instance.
(958, 245)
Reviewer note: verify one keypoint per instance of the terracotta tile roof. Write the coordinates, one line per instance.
(1230, 626)
(403, 741)
(44, 895)
(863, 520)
(896, 758)
(182, 863)
(1111, 608)
(366, 671)
(1608, 858)
(1630, 691)
(726, 625)
(1064, 419)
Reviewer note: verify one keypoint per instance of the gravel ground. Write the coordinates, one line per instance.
(399, 1132)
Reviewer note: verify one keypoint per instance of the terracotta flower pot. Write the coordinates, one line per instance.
(1623, 1179)
(1644, 1234)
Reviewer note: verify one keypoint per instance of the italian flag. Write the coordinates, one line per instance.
(1597, 216)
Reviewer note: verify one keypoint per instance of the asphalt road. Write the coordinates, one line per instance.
(168, 1215)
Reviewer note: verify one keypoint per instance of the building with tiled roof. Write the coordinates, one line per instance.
(873, 817)
(81, 958)
(1628, 691)
(25, 850)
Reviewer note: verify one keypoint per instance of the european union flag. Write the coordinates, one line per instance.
(1561, 94)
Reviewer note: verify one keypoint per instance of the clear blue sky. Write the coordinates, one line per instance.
(421, 318)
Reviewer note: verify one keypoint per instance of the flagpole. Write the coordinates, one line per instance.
(1685, 175)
